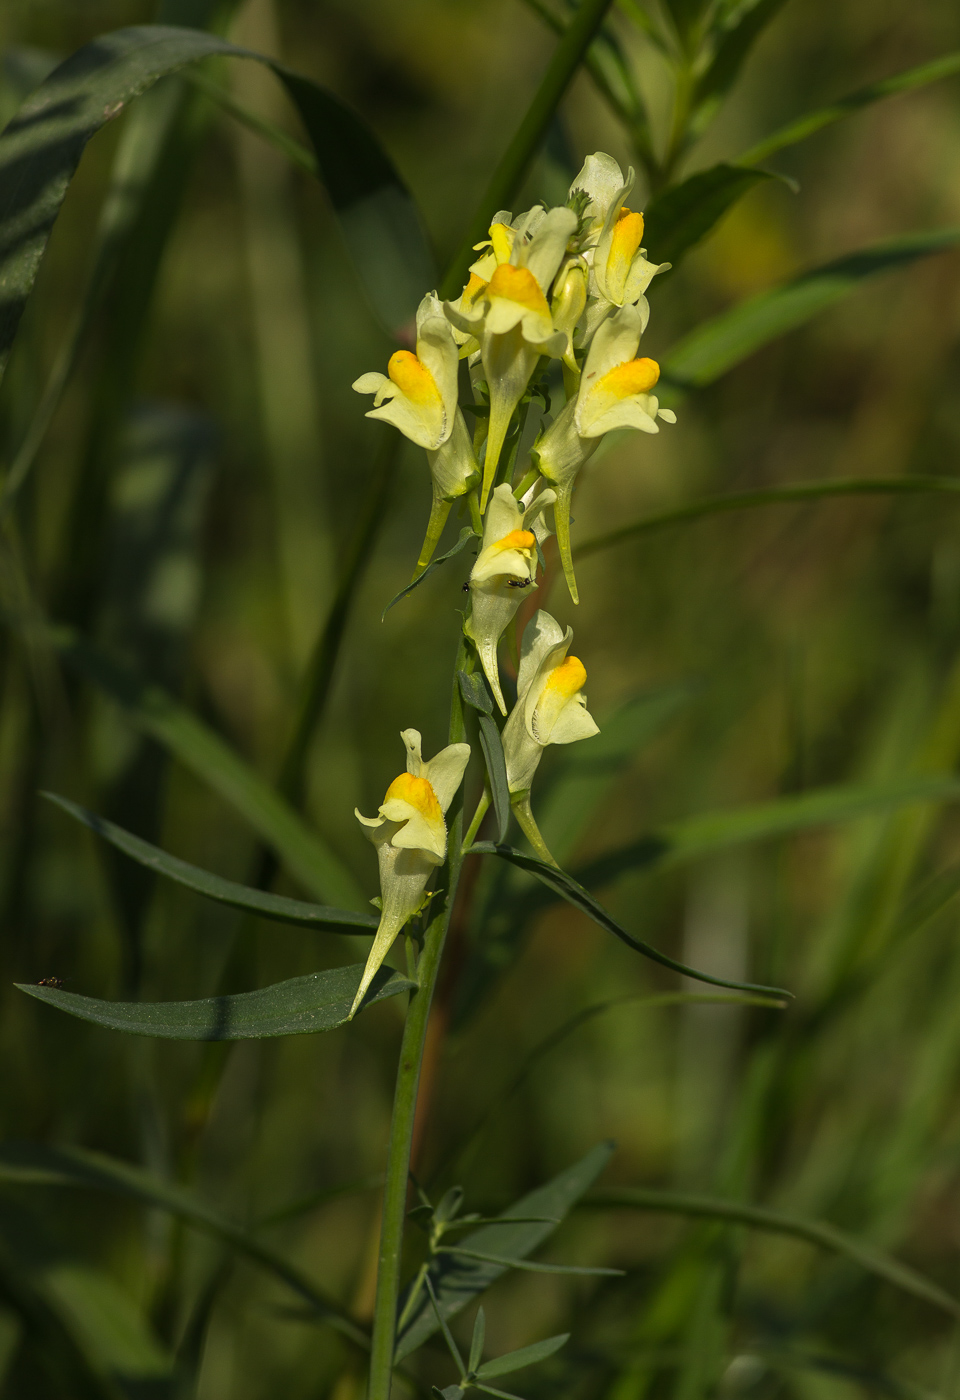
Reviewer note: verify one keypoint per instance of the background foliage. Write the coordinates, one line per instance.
(192, 508)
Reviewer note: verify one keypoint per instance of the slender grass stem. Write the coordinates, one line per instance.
(483, 806)
(505, 180)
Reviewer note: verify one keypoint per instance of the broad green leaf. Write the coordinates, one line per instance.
(526, 1356)
(320, 1001)
(813, 122)
(45, 140)
(31, 1164)
(676, 220)
(466, 535)
(267, 906)
(474, 691)
(564, 885)
(713, 348)
(761, 1218)
(455, 1283)
(716, 831)
(202, 751)
(772, 496)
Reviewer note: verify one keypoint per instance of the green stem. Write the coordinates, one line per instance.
(506, 179)
(405, 1094)
(524, 815)
(483, 806)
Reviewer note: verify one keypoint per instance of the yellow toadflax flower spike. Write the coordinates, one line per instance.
(410, 835)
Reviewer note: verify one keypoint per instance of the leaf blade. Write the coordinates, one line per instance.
(215, 887)
(524, 1356)
(320, 1001)
(456, 1285)
(574, 893)
(723, 342)
(679, 218)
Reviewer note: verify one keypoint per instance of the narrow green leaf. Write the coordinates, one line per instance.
(717, 831)
(268, 906)
(474, 690)
(676, 220)
(510, 1261)
(732, 49)
(477, 1340)
(760, 1217)
(493, 756)
(32, 1164)
(772, 496)
(502, 1394)
(320, 1001)
(569, 889)
(456, 1284)
(713, 348)
(799, 130)
(45, 140)
(526, 1356)
(466, 535)
(202, 751)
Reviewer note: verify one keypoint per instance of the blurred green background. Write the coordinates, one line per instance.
(191, 508)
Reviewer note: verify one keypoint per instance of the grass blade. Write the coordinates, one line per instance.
(771, 496)
(321, 1001)
(30, 1164)
(713, 348)
(202, 751)
(525, 1356)
(237, 896)
(799, 130)
(761, 1218)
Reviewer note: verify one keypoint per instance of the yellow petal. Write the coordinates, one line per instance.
(517, 539)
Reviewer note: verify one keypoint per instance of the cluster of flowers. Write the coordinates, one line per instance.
(565, 284)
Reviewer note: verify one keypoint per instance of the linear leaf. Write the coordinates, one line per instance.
(32, 1164)
(733, 48)
(41, 148)
(799, 130)
(762, 1218)
(683, 214)
(475, 693)
(320, 1001)
(207, 755)
(772, 496)
(268, 906)
(466, 535)
(530, 1265)
(713, 348)
(574, 893)
(525, 1356)
(716, 831)
(456, 1282)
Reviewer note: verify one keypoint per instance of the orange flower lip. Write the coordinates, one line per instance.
(569, 677)
(517, 539)
(413, 379)
(631, 377)
(518, 284)
(419, 793)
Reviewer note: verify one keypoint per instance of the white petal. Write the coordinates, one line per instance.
(616, 340)
(602, 179)
(503, 515)
(437, 349)
(412, 744)
(541, 635)
(546, 249)
(444, 772)
(574, 722)
(370, 383)
(628, 413)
